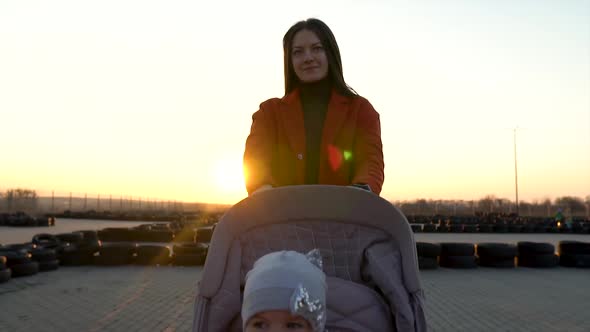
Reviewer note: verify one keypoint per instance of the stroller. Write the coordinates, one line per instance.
(367, 246)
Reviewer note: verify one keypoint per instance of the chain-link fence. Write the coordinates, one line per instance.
(53, 202)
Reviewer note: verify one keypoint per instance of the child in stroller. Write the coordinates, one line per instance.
(367, 248)
(285, 291)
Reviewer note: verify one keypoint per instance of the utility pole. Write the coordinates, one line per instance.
(52, 202)
(85, 201)
(516, 173)
(70, 204)
(98, 203)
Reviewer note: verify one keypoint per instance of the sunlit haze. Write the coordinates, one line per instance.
(154, 99)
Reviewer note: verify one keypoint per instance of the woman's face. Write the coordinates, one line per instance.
(277, 321)
(309, 57)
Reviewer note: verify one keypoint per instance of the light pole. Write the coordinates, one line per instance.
(516, 173)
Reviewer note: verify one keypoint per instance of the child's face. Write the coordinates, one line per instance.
(277, 321)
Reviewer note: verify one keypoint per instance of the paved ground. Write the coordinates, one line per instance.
(133, 298)
(128, 298)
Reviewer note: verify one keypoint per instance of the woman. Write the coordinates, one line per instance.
(321, 131)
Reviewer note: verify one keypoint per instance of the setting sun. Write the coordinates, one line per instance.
(229, 176)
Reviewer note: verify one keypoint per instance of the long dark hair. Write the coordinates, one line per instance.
(332, 53)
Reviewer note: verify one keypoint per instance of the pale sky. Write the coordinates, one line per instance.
(154, 99)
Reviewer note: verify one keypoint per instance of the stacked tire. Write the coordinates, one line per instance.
(116, 234)
(470, 229)
(486, 228)
(72, 249)
(499, 255)
(204, 234)
(429, 228)
(5, 272)
(428, 254)
(152, 255)
(186, 234)
(189, 254)
(151, 233)
(537, 255)
(112, 254)
(19, 263)
(457, 255)
(47, 259)
(574, 254)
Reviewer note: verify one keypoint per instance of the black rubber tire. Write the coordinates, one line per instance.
(77, 258)
(89, 236)
(152, 255)
(486, 228)
(574, 248)
(43, 254)
(46, 241)
(48, 265)
(457, 249)
(458, 262)
(116, 235)
(535, 248)
(429, 228)
(528, 228)
(514, 228)
(582, 261)
(470, 229)
(500, 228)
(22, 247)
(15, 257)
(190, 248)
(5, 275)
(538, 261)
(153, 235)
(204, 234)
(496, 250)
(416, 228)
(427, 263)
(186, 234)
(188, 259)
(158, 260)
(541, 229)
(426, 249)
(442, 229)
(73, 238)
(496, 262)
(456, 228)
(118, 249)
(23, 270)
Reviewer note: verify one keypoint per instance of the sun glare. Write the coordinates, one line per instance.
(229, 177)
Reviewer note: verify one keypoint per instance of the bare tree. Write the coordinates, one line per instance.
(21, 199)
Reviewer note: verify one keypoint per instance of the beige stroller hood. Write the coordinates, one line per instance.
(367, 246)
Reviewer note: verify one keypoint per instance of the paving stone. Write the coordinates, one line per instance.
(132, 298)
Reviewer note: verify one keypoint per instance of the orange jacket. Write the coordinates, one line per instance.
(351, 150)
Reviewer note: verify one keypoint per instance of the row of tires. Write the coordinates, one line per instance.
(492, 219)
(502, 255)
(497, 228)
(156, 233)
(23, 220)
(48, 252)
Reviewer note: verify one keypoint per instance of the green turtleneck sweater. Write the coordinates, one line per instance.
(314, 100)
